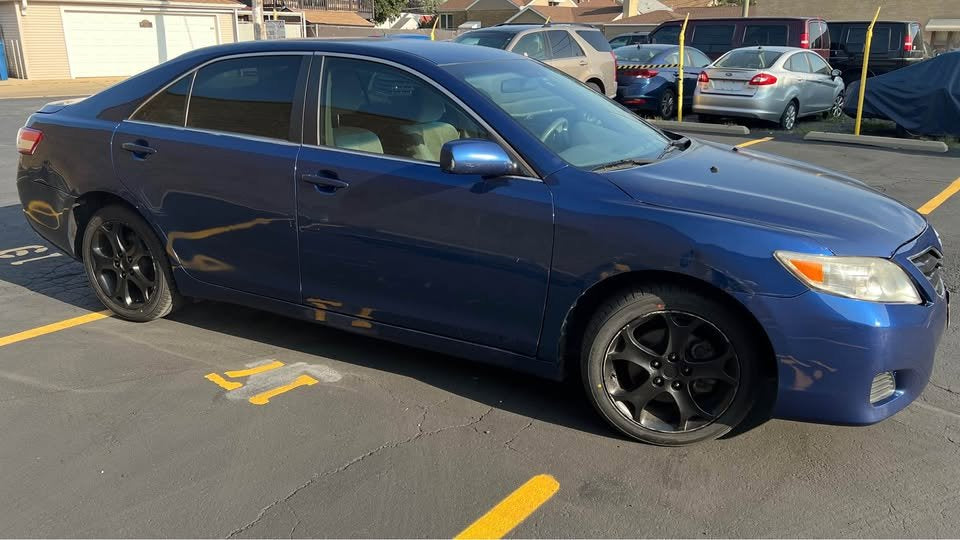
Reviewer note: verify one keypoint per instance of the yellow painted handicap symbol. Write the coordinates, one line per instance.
(268, 379)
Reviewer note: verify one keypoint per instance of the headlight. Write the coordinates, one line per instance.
(864, 278)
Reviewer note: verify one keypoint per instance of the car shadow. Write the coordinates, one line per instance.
(561, 403)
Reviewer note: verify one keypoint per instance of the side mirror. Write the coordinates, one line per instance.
(476, 156)
(835, 73)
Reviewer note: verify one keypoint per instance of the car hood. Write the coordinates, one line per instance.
(840, 213)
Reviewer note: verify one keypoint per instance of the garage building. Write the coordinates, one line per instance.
(78, 38)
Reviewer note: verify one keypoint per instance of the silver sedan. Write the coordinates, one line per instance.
(778, 84)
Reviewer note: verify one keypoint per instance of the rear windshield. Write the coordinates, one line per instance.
(749, 59)
(595, 39)
(765, 34)
(636, 55)
(496, 40)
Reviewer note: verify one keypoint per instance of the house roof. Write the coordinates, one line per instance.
(588, 12)
(657, 17)
(463, 5)
(688, 4)
(336, 18)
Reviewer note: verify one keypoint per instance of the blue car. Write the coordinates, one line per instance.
(478, 203)
(647, 77)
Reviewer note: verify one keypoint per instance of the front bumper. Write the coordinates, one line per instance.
(829, 348)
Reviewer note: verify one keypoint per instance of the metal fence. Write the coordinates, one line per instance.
(15, 63)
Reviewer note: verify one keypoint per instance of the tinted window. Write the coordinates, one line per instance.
(714, 38)
(595, 39)
(797, 63)
(168, 106)
(857, 38)
(562, 44)
(747, 58)
(696, 58)
(375, 108)
(252, 95)
(765, 34)
(496, 40)
(619, 41)
(817, 64)
(636, 55)
(594, 131)
(818, 31)
(668, 35)
(533, 45)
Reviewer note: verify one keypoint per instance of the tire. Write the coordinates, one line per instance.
(715, 369)
(836, 110)
(788, 120)
(667, 107)
(127, 267)
(595, 87)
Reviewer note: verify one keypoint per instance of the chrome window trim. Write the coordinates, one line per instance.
(528, 172)
(216, 132)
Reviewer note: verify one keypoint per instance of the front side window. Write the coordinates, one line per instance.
(251, 95)
(562, 45)
(818, 64)
(798, 64)
(533, 45)
(169, 106)
(765, 34)
(715, 38)
(379, 109)
(581, 126)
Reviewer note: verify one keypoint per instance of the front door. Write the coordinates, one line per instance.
(824, 87)
(386, 235)
(215, 169)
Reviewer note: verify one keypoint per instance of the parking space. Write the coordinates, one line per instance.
(226, 421)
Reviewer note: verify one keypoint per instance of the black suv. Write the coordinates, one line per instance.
(895, 44)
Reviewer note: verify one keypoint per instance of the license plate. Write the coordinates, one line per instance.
(727, 85)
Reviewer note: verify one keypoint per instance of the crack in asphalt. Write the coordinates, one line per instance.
(517, 434)
(386, 446)
(945, 389)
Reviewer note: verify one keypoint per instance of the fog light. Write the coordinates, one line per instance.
(883, 387)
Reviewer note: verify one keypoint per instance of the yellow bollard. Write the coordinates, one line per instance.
(683, 31)
(863, 73)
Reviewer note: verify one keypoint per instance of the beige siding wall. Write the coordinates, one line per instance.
(225, 21)
(43, 43)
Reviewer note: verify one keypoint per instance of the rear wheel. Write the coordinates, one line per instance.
(668, 104)
(668, 366)
(789, 117)
(126, 265)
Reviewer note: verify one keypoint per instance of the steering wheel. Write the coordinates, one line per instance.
(557, 126)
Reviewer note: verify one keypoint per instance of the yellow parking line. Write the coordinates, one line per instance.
(54, 327)
(753, 142)
(511, 511)
(254, 370)
(941, 197)
(216, 379)
(264, 397)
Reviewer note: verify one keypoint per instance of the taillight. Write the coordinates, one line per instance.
(28, 139)
(703, 78)
(908, 44)
(640, 73)
(804, 40)
(763, 79)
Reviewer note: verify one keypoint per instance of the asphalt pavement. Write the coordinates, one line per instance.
(117, 429)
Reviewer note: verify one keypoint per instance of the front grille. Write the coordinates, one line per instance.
(883, 387)
(930, 262)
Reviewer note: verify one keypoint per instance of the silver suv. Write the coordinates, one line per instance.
(579, 51)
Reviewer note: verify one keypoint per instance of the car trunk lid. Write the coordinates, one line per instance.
(731, 81)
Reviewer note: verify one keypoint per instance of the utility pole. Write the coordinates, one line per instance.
(258, 33)
(746, 8)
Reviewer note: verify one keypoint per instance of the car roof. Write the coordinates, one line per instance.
(746, 19)
(779, 49)
(651, 46)
(881, 21)
(436, 52)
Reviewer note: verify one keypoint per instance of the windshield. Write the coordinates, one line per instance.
(496, 40)
(636, 55)
(583, 127)
(748, 59)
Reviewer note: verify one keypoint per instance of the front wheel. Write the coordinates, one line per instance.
(126, 265)
(668, 366)
(836, 111)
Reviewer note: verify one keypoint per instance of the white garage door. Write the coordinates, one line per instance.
(101, 44)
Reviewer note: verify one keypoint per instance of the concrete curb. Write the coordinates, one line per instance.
(882, 142)
(697, 127)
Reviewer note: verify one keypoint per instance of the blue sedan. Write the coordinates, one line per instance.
(647, 76)
(477, 203)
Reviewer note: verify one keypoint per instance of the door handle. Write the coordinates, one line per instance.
(583, 62)
(326, 181)
(139, 150)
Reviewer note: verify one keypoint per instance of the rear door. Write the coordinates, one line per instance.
(798, 75)
(567, 55)
(822, 85)
(215, 168)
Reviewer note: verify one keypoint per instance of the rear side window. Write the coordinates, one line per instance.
(748, 59)
(167, 107)
(712, 38)
(595, 39)
(818, 33)
(798, 64)
(765, 34)
(668, 35)
(252, 96)
(532, 45)
(696, 58)
(857, 39)
(562, 44)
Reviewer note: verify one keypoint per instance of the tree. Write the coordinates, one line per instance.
(387, 9)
